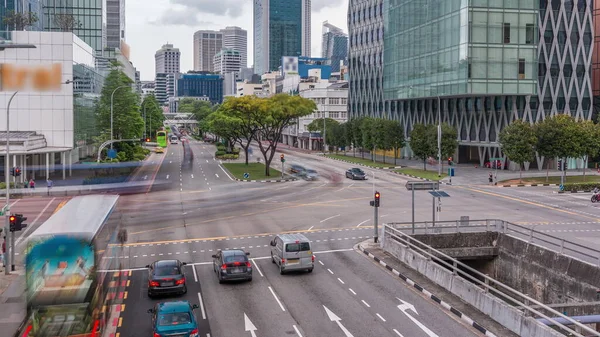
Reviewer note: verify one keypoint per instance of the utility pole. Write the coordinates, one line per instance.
(375, 205)
(7, 181)
(439, 139)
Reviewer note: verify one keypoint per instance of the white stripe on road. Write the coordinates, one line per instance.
(217, 175)
(352, 291)
(331, 217)
(225, 172)
(321, 262)
(297, 331)
(207, 160)
(256, 266)
(192, 176)
(170, 162)
(381, 318)
(342, 282)
(30, 226)
(202, 306)
(360, 224)
(278, 302)
(195, 274)
(397, 333)
(365, 303)
(167, 176)
(311, 227)
(329, 270)
(145, 177)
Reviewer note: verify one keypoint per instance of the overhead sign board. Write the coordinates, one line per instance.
(30, 78)
(422, 185)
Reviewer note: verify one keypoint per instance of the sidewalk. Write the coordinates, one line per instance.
(12, 301)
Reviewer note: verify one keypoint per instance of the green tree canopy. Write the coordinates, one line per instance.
(366, 129)
(152, 114)
(423, 142)
(518, 141)
(449, 141)
(589, 141)
(395, 130)
(329, 124)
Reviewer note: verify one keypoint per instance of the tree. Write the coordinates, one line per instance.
(19, 21)
(273, 116)
(518, 141)
(66, 22)
(238, 113)
(349, 135)
(589, 141)
(127, 120)
(423, 142)
(557, 136)
(395, 130)
(366, 127)
(338, 136)
(154, 116)
(317, 125)
(224, 126)
(358, 134)
(380, 136)
(199, 109)
(449, 141)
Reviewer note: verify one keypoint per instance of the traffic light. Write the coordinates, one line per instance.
(560, 165)
(377, 197)
(282, 158)
(565, 166)
(13, 223)
(17, 171)
(16, 222)
(145, 140)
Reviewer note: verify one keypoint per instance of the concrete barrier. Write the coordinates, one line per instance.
(496, 308)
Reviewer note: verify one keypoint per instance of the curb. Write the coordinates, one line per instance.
(529, 185)
(266, 181)
(371, 167)
(434, 298)
(590, 191)
(424, 179)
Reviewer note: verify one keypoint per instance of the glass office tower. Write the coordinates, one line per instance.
(87, 22)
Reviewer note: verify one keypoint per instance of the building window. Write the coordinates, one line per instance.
(521, 69)
(334, 101)
(344, 101)
(529, 34)
(506, 32)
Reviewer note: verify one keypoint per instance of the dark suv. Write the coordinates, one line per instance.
(166, 277)
(232, 265)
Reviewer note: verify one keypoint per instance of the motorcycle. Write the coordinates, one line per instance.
(595, 198)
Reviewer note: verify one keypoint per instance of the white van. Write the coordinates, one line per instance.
(174, 140)
(292, 252)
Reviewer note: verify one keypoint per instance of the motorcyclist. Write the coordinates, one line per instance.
(596, 194)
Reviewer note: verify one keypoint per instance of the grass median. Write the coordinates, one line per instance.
(359, 160)
(552, 180)
(431, 175)
(255, 170)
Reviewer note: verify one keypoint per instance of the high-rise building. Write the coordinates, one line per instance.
(160, 88)
(281, 28)
(227, 61)
(207, 43)
(115, 23)
(200, 85)
(236, 38)
(84, 18)
(167, 60)
(334, 46)
(21, 6)
(596, 60)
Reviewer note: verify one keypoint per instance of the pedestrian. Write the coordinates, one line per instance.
(3, 251)
(32, 183)
(50, 184)
(491, 178)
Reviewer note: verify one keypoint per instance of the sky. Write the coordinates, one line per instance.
(175, 21)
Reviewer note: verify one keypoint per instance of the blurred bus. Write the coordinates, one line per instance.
(66, 295)
(161, 138)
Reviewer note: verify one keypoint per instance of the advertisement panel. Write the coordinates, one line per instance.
(59, 270)
(26, 77)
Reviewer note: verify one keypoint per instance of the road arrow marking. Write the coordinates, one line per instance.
(249, 326)
(404, 307)
(334, 318)
(167, 176)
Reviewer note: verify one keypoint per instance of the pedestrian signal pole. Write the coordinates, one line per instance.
(282, 157)
(375, 205)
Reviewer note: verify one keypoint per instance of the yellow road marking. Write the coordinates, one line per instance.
(60, 205)
(129, 276)
(528, 202)
(235, 236)
(125, 294)
(118, 334)
(120, 322)
(248, 214)
(129, 281)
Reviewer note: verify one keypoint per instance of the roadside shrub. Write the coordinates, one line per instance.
(581, 186)
(219, 153)
(12, 185)
(139, 156)
(105, 180)
(122, 156)
(236, 151)
(221, 148)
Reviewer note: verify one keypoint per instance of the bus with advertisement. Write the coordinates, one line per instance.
(67, 259)
(161, 138)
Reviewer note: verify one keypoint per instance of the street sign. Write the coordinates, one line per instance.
(422, 185)
(439, 194)
(4, 210)
(112, 153)
(246, 175)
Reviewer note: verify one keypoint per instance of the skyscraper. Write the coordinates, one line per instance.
(281, 28)
(167, 60)
(207, 43)
(21, 6)
(334, 45)
(115, 23)
(83, 18)
(236, 38)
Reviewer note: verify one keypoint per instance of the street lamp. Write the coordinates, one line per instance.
(112, 96)
(439, 138)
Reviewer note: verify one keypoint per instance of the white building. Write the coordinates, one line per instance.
(42, 124)
(167, 60)
(207, 43)
(248, 89)
(236, 38)
(306, 26)
(227, 61)
(147, 88)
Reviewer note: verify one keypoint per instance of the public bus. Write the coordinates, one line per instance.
(161, 138)
(66, 262)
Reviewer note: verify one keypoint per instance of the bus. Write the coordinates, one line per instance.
(65, 270)
(161, 138)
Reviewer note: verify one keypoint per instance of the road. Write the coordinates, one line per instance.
(205, 210)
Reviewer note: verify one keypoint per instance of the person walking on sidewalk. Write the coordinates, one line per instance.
(491, 179)
(50, 184)
(31, 183)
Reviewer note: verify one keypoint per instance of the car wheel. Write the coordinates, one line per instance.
(220, 280)
(310, 270)
(281, 270)
(250, 279)
(150, 295)
(272, 258)
(184, 290)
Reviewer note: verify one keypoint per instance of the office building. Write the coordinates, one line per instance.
(115, 23)
(207, 43)
(236, 38)
(84, 18)
(167, 60)
(148, 88)
(22, 6)
(281, 28)
(227, 61)
(365, 57)
(596, 61)
(303, 65)
(160, 88)
(334, 46)
(200, 85)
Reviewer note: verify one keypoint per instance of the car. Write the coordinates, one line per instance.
(292, 252)
(297, 169)
(166, 277)
(310, 174)
(232, 265)
(174, 319)
(159, 150)
(356, 173)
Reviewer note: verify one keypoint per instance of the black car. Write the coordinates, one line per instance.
(356, 173)
(233, 264)
(166, 277)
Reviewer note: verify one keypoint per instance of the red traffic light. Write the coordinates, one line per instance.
(12, 218)
(147, 139)
(377, 195)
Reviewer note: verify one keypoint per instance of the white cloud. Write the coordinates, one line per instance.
(318, 5)
(179, 17)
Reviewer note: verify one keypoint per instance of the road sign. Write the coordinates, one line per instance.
(112, 153)
(246, 175)
(4, 210)
(439, 194)
(422, 185)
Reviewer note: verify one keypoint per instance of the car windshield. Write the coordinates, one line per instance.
(166, 271)
(311, 171)
(297, 247)
(176, 318)
(355, 170)
(234, 258)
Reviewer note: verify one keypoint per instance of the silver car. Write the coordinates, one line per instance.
(292, 252)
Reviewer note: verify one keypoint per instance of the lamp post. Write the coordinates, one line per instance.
(112, 96)
(439, 137)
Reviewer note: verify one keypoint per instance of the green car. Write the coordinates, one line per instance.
(174, 319)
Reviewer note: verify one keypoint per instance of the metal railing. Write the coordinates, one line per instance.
(489, 284)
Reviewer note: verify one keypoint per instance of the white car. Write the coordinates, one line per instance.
(174, 140)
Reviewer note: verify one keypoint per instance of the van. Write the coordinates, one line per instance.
(174, 139)
(292, 252)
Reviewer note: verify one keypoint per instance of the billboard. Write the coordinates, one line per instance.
(289, 65)
(59, 270)
(30, 78)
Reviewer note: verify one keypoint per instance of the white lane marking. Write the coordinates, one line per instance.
(362, 223)
(365, 303)
(381, 318)
(167, 176)
(217, 175)
(352, 291)
(342, 282)
(257, 268)
(321, 262)
(278, 302)
(329, 270)
(207, 160)
(145, 177)
(225, 172)
(170, 162)
(202, 306)
(210, 189)
(397, 333)
(297, 331)
(195, 274)
(383, 216)
(331, 217)
(311, 227)
(30, 226)
(192, 176)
